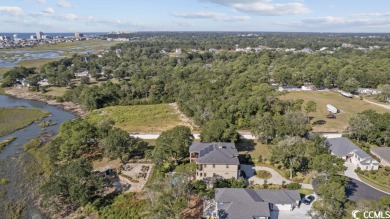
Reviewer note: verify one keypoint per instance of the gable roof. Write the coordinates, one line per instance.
(248, 203)
(215, 153)
(383, 153)
(343, 146)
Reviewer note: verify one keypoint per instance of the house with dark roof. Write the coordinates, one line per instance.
(217, 159)
(346, 149)
(240, 203)
(383, 153)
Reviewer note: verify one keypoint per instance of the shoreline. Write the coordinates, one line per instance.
(23, 93)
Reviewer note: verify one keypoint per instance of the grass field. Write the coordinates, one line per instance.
(254, 148)
(36, 63)
(12, 119)
(139, 119)
(347, 106)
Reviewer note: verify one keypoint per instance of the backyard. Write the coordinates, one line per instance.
(347, 107)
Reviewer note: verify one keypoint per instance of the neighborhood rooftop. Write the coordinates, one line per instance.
(343, 146)
(383, 152)
(215, 153)
(247, 203)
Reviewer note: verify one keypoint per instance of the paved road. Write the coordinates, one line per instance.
(357, 190)
(275, 179)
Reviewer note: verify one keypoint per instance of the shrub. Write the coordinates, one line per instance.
(263, 174)
(387, 169)
(293, 186)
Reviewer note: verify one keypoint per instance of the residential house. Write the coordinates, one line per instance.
(289, 88)
(218, 159)
(383, 153)
(249, 204)
(308, 87)
(368, 91)
(347, 150)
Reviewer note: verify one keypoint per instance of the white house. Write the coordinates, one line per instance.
(368, 91)
(347, 150)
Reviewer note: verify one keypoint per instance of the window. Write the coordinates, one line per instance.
(213, 165)
(197, 173)
(200, 174)
(227, 166)
(204, 174)
(204, 165)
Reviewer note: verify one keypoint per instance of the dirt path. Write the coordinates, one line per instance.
(184, 118)
(23, 93)
(378, 104)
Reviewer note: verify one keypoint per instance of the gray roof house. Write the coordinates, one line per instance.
(250, 204)
(346, 149)
(215, 159)
(383, 153)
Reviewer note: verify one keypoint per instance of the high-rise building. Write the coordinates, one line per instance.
(39, 35)
(16, 37)
(33, 37)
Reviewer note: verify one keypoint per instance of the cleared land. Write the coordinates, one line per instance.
(139, 119)
(12, 119)
(348, 107)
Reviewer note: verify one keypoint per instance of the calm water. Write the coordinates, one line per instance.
(13, 156)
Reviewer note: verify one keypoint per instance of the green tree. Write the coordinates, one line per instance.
(328, 164)
(71, 185)
(351, 85)
(218, 131)
(118, 144)
(360, 126)
(173, 144)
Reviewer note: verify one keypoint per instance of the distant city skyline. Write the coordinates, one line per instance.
(195, 15)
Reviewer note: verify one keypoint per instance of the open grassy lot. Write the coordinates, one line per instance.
(347, 106)
(4, 70)
(12, 119)
(139, 119)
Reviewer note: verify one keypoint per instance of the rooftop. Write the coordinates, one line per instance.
(343, 146)
(382, 152)
(247, 203)
(215, 153)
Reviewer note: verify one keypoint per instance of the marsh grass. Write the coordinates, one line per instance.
(12, 119)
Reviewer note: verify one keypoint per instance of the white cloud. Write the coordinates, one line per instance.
(64, 4)
(93, 21)
(49, 10)
(55, 16)
(263, 7)
(373, 14)
(41, 1)
(15, 11)
(211, 15)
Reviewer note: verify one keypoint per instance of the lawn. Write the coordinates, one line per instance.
(379, 179)
(347, 106)
(12, 119)
(55, 91)
(254, 148)
(139, 119)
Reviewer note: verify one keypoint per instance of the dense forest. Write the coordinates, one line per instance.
(229, 85)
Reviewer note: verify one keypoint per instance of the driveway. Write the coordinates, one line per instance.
(357, 191)
(350, 172)
(297, 213)
(378, 104)
(275, 179)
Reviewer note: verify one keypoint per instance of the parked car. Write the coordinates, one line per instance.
(308, 200)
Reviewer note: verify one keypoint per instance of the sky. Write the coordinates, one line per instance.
(194, 15)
